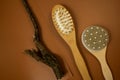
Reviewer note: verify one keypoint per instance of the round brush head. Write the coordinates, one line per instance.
(95, 38)
(62, 19)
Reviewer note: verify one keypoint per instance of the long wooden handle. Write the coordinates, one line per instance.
(100, 55)
(80, 62)
(105, 69)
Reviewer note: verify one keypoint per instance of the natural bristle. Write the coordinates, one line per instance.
(62, 19)
(95, 38)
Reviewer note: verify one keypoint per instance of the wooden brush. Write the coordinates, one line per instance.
(64, 25)
(95, 40)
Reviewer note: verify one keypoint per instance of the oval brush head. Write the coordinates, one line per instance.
(62, 19)
(95, 38)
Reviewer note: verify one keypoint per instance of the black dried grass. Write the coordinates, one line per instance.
(42, 53)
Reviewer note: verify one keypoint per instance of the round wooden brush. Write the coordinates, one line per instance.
(95, 40)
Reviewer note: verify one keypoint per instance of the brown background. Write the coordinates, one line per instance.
(16, 32)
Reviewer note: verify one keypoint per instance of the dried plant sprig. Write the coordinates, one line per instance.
(42, 53)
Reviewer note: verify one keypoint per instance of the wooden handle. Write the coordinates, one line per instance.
(80, 62)
(100, 55)
(105, 69)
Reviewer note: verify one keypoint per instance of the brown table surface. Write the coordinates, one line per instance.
(16, 33)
